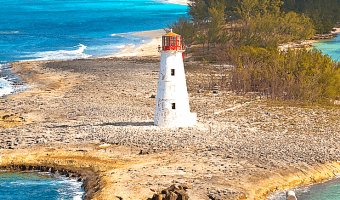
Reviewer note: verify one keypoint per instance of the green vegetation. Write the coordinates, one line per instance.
(268, 30)
(324, 13)
(248, 22)
(303, 76)
(246, 34)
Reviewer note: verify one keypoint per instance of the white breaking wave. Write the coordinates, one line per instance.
(119, 34)
(61, 54)
(71, 188)
(123, 46)
(9, 82)
(282, 195)
(110, 47)
(128, 35)
(8, 32)
(179, 2)
(6, 87)
(109, 50)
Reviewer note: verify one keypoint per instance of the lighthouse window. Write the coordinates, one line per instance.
(173, 41)
(172, 72)
(166, 41)
(173, 106)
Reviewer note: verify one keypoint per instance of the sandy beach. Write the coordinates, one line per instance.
(180, 2)
(149, 49)
(97, 115)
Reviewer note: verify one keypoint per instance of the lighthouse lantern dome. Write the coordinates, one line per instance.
(172, 41)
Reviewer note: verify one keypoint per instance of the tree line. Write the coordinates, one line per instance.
(211, 22)
(299, 76)
(246, 33)
(323, 13)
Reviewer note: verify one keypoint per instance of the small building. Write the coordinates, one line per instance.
(172, 102)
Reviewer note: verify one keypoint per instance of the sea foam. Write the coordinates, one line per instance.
(9, 82)
(8, 32)
(6, 87)
(118, 34)
(61, 54)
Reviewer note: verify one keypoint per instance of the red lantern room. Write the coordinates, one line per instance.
(172, 41)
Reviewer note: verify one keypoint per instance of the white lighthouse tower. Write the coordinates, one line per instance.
(172, 105)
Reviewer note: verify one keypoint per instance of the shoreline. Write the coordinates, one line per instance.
(149, 49)
(94, 181)
(302, 188)
(53, 165)
(17, 85)
(76, 184)
(142, 51)
(306, 43)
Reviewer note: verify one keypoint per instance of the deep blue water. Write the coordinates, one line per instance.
(55, 29)
(36, 185)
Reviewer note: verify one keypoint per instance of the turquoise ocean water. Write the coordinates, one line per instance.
(54, 29)
(36, 185)
(68, 29)
(328, 190)
(330, 47)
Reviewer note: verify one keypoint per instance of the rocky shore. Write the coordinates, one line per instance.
(88, 177)
(104, 108)
(325, 36)
(309, 43)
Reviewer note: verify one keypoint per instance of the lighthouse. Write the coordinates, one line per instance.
(172, 102)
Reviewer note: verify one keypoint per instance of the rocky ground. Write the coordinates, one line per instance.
(239, 148)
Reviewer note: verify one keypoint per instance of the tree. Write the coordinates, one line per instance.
(301, 75)
(324, 13)
(186, 28)
(247, 8)
(215, 22)
(198, 10)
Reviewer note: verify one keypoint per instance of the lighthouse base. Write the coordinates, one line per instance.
(187, 120)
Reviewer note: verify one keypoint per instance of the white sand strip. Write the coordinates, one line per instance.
(149, 49)
(337, 30)
(180, 2)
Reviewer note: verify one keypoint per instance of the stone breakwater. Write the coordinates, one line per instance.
(246, 150)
